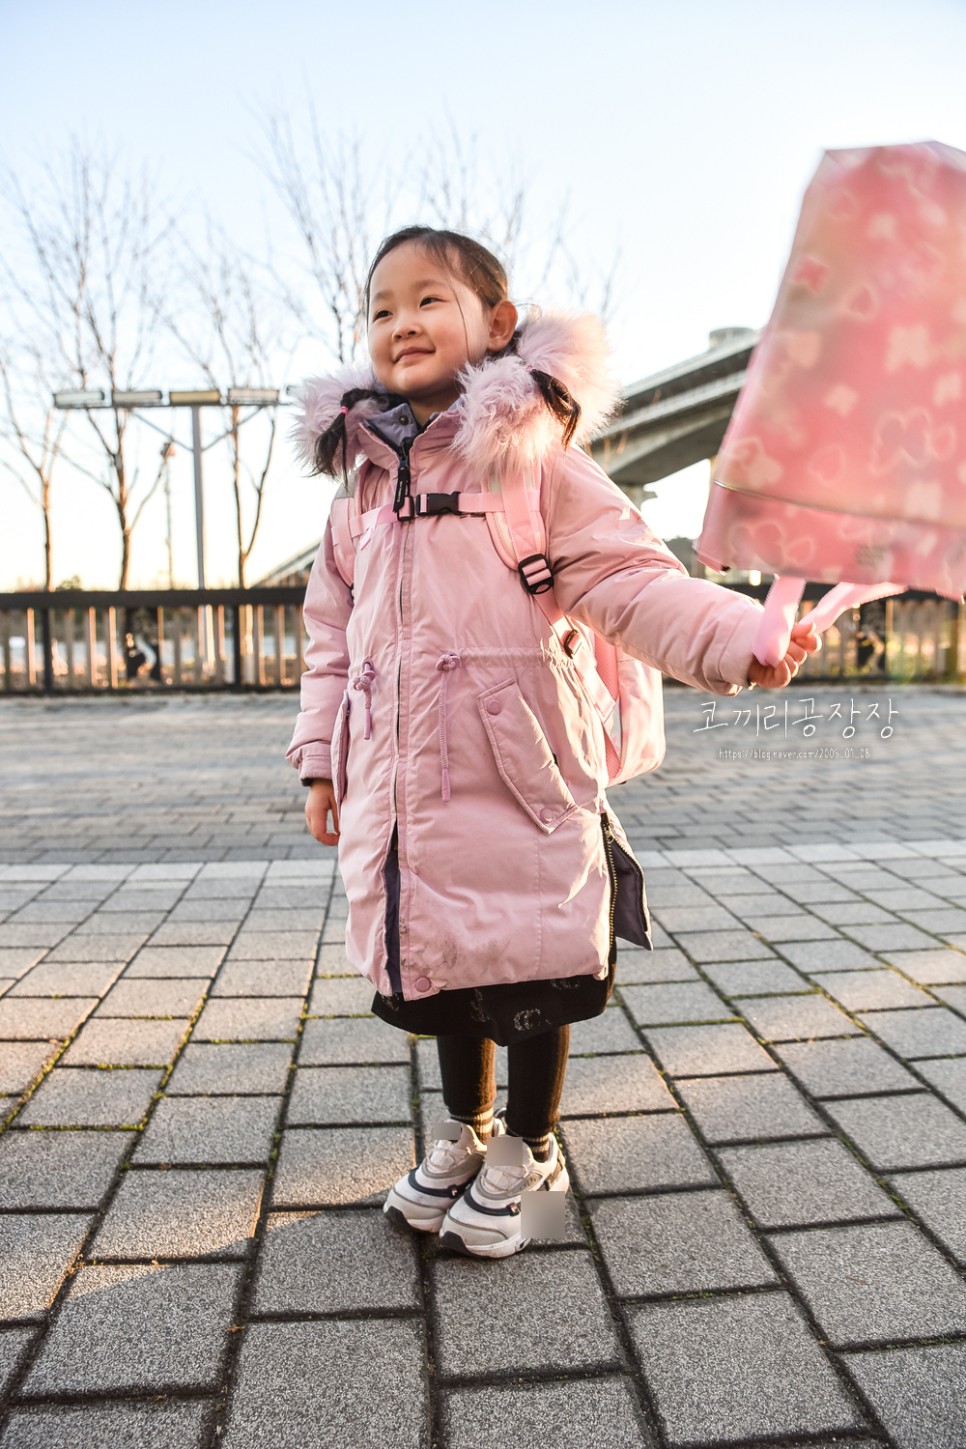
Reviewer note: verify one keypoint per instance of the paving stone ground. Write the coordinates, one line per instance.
(765, 1241)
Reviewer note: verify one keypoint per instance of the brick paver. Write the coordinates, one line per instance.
(759, 1370)
(303, 1383)
(919, 1394)
(766, 1130)
(793, 1183)
(676, 1243)
(511, 1329)
(740, 1109)
(138, 1327)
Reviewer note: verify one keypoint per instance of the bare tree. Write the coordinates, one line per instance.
(325, 196)
(32, 427)
(340, 203)
(454, 191)
(233, 331)
(83, 277)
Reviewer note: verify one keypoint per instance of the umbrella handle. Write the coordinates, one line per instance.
(781, 606)
(775, 626)
(847, 596)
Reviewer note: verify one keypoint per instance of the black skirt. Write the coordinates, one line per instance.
(505, 1013)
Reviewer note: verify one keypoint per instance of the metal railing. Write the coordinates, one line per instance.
(251, 639)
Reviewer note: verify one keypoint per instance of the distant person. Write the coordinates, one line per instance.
(153, 647)
(134, 658)
(444, 731)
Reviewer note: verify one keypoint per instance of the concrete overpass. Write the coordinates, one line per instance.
(677, 416)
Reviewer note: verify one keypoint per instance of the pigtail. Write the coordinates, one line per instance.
(561, 403)
(335, 437)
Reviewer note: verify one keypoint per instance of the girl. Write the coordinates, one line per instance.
(443, 730)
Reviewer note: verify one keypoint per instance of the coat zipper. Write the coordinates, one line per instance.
(403, 486)
(611, 871)
(403, 478)
(402, 492)
(610, 841)
(395, 768)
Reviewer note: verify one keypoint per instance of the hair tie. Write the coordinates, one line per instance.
(343, 409)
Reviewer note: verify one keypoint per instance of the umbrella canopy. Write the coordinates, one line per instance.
(845, 458)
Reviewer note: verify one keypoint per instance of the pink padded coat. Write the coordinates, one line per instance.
(440, 703)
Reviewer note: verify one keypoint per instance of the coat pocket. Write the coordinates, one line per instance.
(523, 756)
(340, 748)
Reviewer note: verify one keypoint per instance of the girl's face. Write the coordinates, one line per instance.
(425, 324)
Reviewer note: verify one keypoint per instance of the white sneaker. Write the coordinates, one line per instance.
(421, 1197)
(485, 1220)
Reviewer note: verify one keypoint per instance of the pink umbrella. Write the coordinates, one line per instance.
(845, 458)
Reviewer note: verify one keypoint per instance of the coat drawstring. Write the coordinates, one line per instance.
(445, 664)
(363, 682)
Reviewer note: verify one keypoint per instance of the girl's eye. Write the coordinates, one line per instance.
(377, 315)
(430, 299)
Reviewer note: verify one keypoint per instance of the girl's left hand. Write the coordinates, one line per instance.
(804, 641)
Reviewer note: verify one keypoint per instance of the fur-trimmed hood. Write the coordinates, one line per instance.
(502, 418)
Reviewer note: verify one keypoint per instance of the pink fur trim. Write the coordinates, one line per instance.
(576, 352)
(318, 401)
(503, 418)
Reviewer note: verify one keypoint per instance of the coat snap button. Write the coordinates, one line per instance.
(547, 816)
(493, 706)
(423, 983)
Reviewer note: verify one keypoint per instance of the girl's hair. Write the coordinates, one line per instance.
(483, 274)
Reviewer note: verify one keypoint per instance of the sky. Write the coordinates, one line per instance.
(683, 135)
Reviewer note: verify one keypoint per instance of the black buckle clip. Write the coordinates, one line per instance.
(571, 642)
(431, 504)
(536, 573)
(427, 505)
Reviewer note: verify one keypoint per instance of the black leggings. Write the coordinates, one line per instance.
(535, 1077)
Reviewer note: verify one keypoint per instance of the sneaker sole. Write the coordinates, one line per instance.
(505, 1249)
(424, 1225)
(397, 1209)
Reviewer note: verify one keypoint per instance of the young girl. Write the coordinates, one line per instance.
(443, 730)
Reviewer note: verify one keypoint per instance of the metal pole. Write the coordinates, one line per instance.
(199, 501)
(167, 450)
(204, 620)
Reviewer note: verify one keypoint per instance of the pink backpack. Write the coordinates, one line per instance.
(845, 459)
(625, 692)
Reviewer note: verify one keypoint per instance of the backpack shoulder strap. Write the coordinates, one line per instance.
(519, 534)
(340, 521)
(518, 528)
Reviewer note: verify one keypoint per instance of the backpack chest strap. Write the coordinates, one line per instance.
(431, 505)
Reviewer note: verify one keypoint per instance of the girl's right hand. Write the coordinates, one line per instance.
(318, 806)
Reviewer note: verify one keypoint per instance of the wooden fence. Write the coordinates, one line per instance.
(232, 639)
(73, 642)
